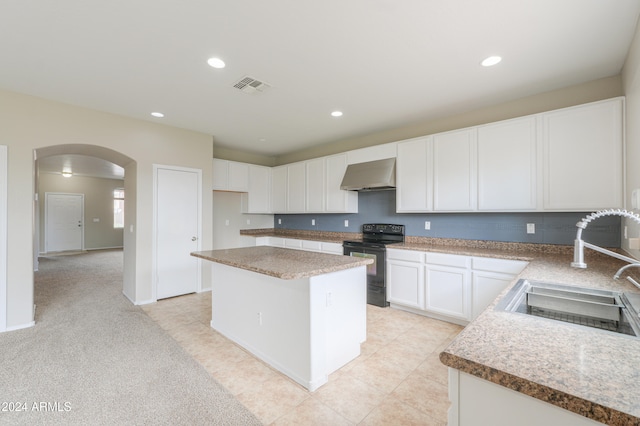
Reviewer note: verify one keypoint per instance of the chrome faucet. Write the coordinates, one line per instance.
(579, 245)
(624, 268)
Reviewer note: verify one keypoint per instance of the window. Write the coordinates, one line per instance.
(118, 208)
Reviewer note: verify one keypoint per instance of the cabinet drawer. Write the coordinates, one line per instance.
(333, 248)
(292, 243)
(311, 245)
(407, 255)
(448, 260)
(498, 265)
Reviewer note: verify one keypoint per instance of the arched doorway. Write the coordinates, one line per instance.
(110, 156)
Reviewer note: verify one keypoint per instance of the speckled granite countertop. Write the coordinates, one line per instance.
(286, 264)
(590, 372)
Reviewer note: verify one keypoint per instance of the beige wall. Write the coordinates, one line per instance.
(596, 90)
(593, 91)
(631, 83)
(98, 204)
(227, 206)
(28, 123)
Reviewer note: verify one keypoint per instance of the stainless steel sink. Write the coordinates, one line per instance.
(603, 309)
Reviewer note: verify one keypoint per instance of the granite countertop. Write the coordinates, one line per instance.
(591, 372)
(286, 264)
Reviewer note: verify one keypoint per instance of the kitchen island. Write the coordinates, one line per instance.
(303, 313)
(508, 368)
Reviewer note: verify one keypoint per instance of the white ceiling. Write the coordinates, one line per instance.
(384, 63)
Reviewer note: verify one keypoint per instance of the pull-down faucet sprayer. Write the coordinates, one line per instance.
(579, 245)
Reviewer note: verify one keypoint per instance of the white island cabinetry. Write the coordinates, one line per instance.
(301, 312)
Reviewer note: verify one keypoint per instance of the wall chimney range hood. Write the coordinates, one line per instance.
(370, 176)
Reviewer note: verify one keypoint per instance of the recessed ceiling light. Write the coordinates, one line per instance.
(491, 61)
(336, 114)
(216, 63)
(157, 114)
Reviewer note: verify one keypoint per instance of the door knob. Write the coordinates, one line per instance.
(193, 238)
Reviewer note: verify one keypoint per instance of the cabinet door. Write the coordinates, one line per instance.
(405, 283)
(454, 171)
(332, 248)
(238, 176)
(279, 189)
(296, 188)
(448, 291)
(337, 200)
(259, 196)
(315, 185)
(414, 176)
(583, 157)
(220, 174)
(507, 165)
(486, 287)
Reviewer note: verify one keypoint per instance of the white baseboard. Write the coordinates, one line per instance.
(21, 326)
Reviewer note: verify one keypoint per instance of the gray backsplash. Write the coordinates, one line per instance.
(379, 207)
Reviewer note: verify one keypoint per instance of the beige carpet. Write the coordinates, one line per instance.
(93, 358)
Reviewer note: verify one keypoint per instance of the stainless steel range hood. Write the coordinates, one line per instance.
(370, 176)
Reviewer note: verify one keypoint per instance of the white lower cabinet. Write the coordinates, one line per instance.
(405, 283)
(332, 248)
(296, 244)
(448, 291)
(450, 287)
(475, 401)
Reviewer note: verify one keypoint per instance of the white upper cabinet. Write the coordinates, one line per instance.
(337, 200)
(564, 160)
(454, 170)
(414, 176)
(279, 189)
(583, 156)
(507, 165)
(296, 188)
(312, 186)
(230, 176)
(315, 185)
(258, 198)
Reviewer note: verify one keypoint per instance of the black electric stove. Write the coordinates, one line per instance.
(375, 238)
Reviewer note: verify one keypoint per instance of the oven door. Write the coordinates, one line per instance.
(376, 288)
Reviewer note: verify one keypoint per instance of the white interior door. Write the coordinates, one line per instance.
(64, 221)
(177, 230)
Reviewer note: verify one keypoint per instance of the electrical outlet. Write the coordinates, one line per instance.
(346, 223)
(634, 243)
(313, 222)
(329, 299)
(259, 318)
(531, 228)
(226, 222)
(427, 225)
(248, 221)
(279, 221)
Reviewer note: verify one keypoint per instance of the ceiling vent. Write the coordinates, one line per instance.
(251, 85)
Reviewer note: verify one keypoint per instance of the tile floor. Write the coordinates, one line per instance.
(397, 379)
